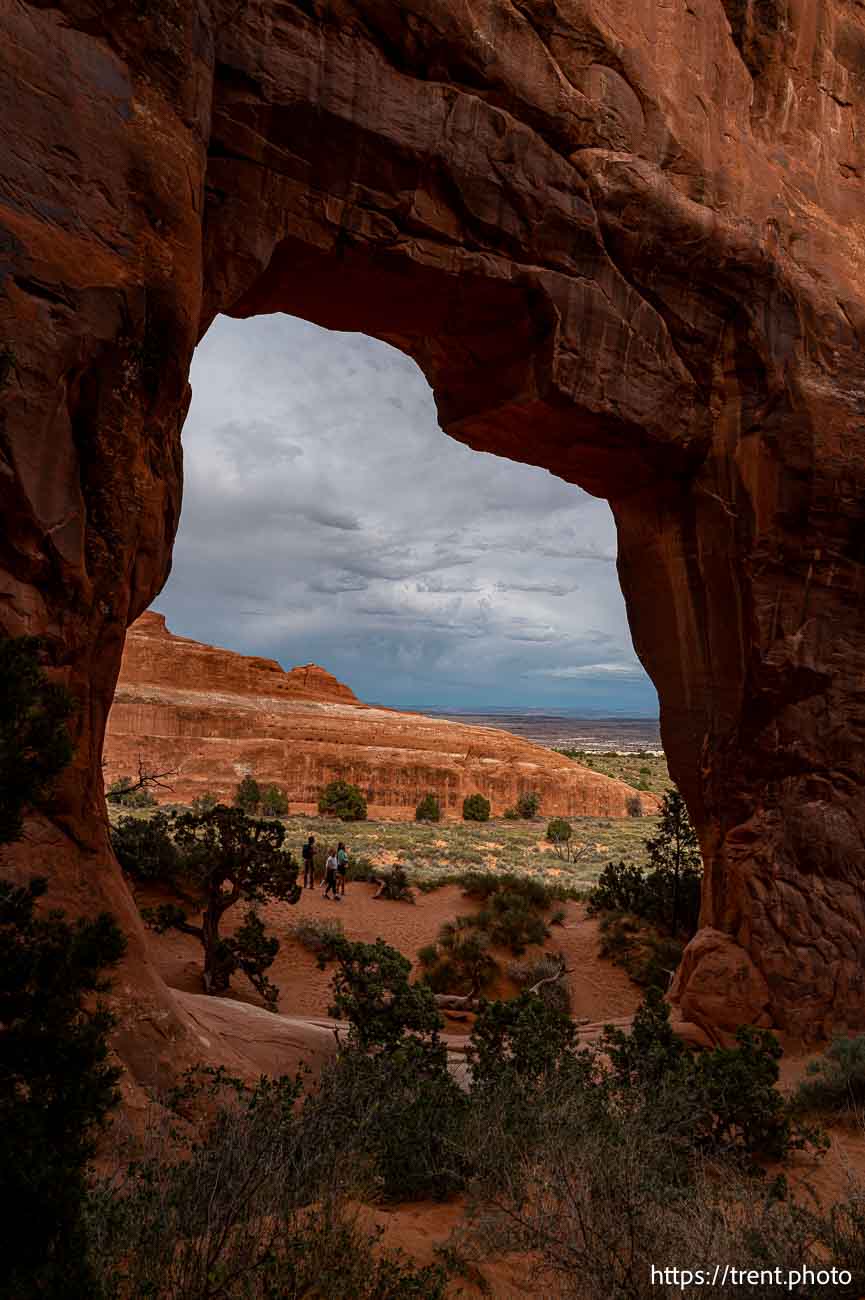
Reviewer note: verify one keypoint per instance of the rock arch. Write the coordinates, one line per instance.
(624, 242)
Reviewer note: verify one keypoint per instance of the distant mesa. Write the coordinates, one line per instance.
(215, 716)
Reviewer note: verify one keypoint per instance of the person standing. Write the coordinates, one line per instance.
(330, 885)
(341, 868)
(308, 855)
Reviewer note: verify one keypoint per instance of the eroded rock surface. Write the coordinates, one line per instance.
(211, 716)
(623, 239)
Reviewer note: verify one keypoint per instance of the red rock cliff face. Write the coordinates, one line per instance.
(153, 657)
(214, 716)
(624, 241)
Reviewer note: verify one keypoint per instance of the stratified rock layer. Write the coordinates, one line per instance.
(623, 239)
(211, 716)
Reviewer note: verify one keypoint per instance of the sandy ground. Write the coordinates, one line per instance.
(598, 989)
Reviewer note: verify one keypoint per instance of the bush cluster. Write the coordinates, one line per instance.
(543, 971)
(526, 808)
(512, 916)
(343, 800)
(428, 810)
(476, 808)
(318, 934)
(666, 894)
(251, 798)
(394, 885)
(57, 1081)
(459, 961)
(835, 1082)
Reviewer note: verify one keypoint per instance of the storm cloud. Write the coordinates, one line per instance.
(327, 517)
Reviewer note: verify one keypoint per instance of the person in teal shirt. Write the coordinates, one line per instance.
(341, 868)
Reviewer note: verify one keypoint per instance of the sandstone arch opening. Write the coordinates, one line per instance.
(598, 276)
(326, 517)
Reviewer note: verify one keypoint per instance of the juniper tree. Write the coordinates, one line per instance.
(674, 858)
(225, 857)
(35, 744)
(248, 795)
(56, 1082)
(343, 800)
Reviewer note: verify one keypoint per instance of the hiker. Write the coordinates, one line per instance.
(330, 885)
(308, 855)
(341, 868)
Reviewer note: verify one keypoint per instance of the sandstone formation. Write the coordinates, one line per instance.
(215, 716)
(624, 241)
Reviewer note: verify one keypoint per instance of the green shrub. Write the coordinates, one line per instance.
(835, 1083)
(371, 990)
(319, 935)
(512, 915)
(395, 887)
(428, 810)
(56, 1087)
(511, 815)
(676, 866)
(648, 956)
(528, 805)
(35, 744)
(484, 884)
(545, 971)
(274, 802)
(258, 1206)
(618, 1192)
(723, 1102)
(247, 796)
(512, 921)
(526, 1037)
(634, 804)
(390, 1085)
(460, 962)
(476, 808)
(405, 1113)
(342, 800)
(559, 831)
(361, 869)
(146, 850)
(204, 803)
(253, 952)
(623, 887)
(56, 1083)
(667, 892)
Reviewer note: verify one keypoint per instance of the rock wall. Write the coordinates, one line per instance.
(213, 716)
(624, 240)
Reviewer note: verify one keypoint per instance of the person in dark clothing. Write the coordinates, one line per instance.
(308, 855)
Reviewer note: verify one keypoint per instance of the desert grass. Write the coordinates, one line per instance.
(437, 854)
(642, 770)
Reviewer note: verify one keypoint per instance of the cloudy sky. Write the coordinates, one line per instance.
(327, 518)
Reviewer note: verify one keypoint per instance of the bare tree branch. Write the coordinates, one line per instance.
(148, 778)
(551, 979)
